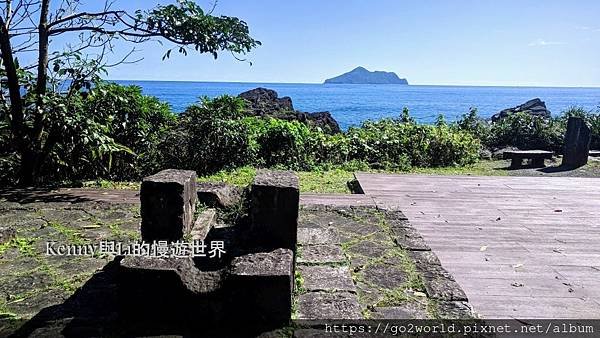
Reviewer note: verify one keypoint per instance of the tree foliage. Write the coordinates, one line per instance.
(43, 101)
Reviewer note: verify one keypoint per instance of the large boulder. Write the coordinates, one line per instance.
(266, 102)
(263, 101)
(535, 107)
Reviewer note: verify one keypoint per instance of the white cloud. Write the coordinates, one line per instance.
(541, 42)
(588, 28)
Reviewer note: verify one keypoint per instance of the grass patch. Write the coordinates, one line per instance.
(481, 168)
(118, 232)
(24, 245)
(327, 181)
(105, 184)
(73, 236)
(241, 176)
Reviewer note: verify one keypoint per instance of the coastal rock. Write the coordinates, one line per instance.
(535, 107)
(263, 101)
(266, 102)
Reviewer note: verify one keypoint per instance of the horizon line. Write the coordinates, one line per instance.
(345, 84)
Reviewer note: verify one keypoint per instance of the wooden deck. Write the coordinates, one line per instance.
(521, 247)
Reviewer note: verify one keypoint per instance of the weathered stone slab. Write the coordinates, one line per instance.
(275, 199)
(328, 305)
(168, 202)
(577, 143)
(409, 311)
(384, 275)
(368, 248)
(274, 263)
(440, 285)
(455, 310)
(308, 236)
(424, 260)
(409, 239)
(327, 278)
(321, 254)
(151, 275)
(7, 233)
(219, 195)
(205, 221)
(261, 284)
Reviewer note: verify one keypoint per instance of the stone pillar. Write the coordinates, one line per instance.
(261, 286)
(168, 202)
(274, 209)
(577, 143)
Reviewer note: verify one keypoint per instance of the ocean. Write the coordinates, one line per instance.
(352, 104)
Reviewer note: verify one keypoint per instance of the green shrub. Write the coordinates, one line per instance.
(135, 121)
(592, 119)
(526, 131)
(474, 125)
(393, 144)
(289, 144)
(209, 137)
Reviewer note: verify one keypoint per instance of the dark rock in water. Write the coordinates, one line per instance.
(266, 102)
(360, 75)
(219, 195)
(535, 107)
(263, 101)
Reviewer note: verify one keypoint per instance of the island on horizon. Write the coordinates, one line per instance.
(361, 75)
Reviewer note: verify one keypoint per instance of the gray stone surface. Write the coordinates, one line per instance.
(7, 233)
(577, 143)
(168, 202)
(440, 285)
(150, 275)
(384, 275)
(321, 254)
(455, 310)
(261, 285)
(328, 305)
(275, 200)
(409, 239)
(424, 259)
(368, 248)
(327, 278)
(407, 311)
(278, 262)
(203, 224)
(219, 195)
(317, 236)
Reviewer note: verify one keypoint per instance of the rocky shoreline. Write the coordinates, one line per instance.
(266, 102)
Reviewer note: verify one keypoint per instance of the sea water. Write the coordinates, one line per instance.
(352, 104)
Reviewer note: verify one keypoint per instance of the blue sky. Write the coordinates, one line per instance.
(436, 42)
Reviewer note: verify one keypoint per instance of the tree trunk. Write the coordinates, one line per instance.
(26, 172)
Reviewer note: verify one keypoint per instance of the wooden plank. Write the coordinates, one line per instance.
(491, 232)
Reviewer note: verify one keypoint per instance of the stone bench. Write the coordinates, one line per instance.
(252, 286)
(536, 157)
